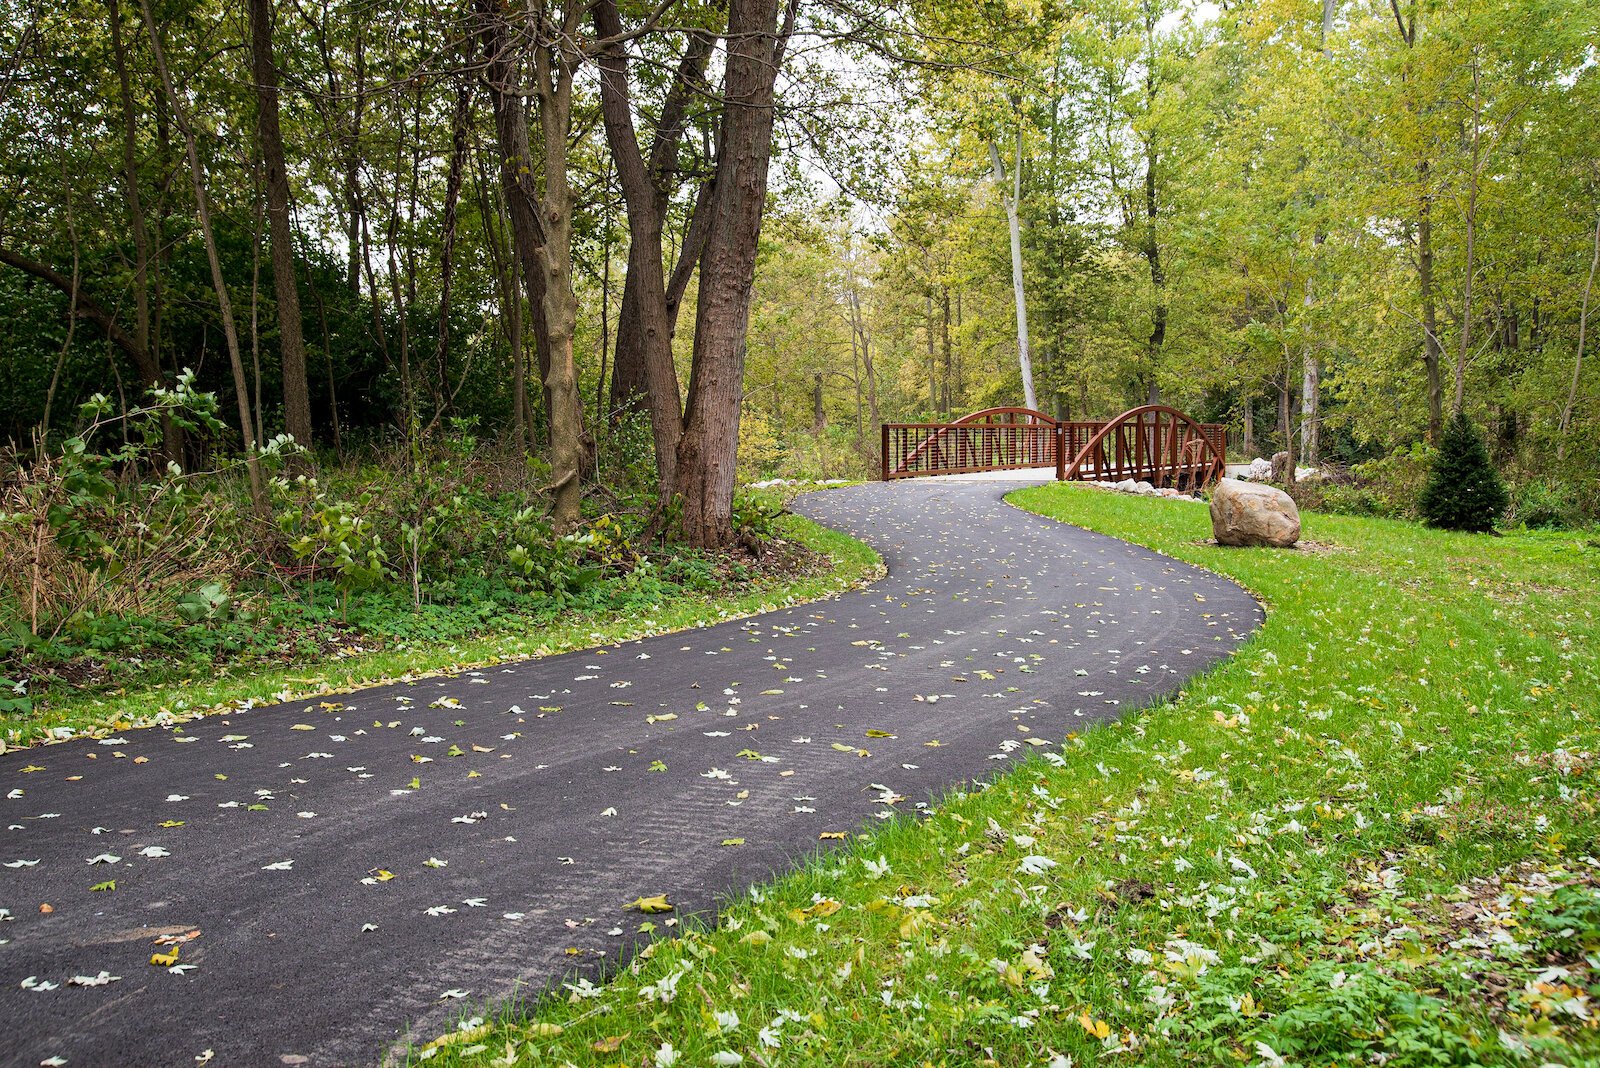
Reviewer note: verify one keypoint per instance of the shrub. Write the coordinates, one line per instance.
(1396, 481)
(755, 513)
(1540, 504)
(1464, 490)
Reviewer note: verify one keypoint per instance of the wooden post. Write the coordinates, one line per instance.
(885, 453)
(1061, 453)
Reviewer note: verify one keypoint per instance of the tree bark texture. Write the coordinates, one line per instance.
(291, 342)
(541, 223)
(708, 450)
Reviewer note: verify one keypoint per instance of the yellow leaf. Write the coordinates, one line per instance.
(875, 733)
(381, 874)
(756, 938)
(835, 835)
(1097, 1028)
(170, 823)
(165, 960)
(545, 1030)
(733, 841)
(302, 727)
(658, 903)
(610, 1044)
(841, 747)
(913, 922)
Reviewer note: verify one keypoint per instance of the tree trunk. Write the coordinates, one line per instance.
(944, 329)
(1471, 251)
(708, 450)
(1310, 402)
(1577, 363)
(291, 343)
(1249, 426)
(542, 230)
(447, 246)
(230, 333)
(1013, 221)
(150, 366)
(1431, 349)
(643, 369)
(1158, 281)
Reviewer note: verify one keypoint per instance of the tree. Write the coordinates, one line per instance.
(1010, 199)
(230, 333)
(708, 449)
(1464, 491)
(541, 211)
(291, 343)
(644, 368)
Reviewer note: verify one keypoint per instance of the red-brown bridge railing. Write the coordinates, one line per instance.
(1152, 443)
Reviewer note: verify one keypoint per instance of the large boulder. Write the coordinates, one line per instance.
(1247, 513)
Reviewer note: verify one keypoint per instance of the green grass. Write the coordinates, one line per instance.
(186, 697)
(1367, 838)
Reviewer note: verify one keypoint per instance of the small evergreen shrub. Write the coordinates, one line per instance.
(1464, 491)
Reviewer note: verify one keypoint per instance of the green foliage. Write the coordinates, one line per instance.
(1464, 491)
(14, 699)
(1547, 503)
(754, 514)
(206, 605)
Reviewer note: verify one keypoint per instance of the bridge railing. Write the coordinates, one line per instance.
(1151, 443)
(911, 449)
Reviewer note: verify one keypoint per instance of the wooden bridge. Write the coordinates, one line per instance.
(1152, 443)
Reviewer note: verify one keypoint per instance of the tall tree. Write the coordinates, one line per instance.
(202, 200)
(644, 370)
(708, 449)
(539, 203)
(1011, 199)
(291, 342)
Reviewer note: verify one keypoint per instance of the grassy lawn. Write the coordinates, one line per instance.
(1368, 838)
(179, 694)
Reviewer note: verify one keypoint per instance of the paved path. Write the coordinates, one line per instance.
(519, 807)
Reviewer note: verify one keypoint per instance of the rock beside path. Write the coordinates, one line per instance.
(1248, 513)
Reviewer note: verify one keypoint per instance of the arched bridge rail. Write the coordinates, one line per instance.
(1153, 443)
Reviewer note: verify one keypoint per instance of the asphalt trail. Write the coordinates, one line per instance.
(518, 808)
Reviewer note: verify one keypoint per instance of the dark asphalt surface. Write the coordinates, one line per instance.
(520, 807)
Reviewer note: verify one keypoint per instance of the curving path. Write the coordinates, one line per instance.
(519, 807)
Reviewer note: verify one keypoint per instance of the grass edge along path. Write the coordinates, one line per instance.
(1368, 837)
(162, 704)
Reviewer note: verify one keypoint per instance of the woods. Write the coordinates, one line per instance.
(647, 251)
